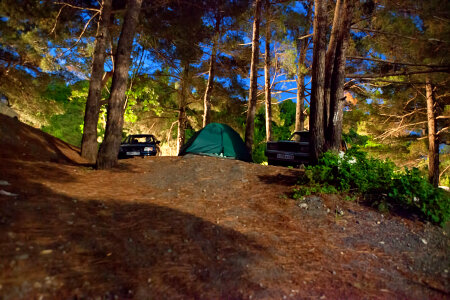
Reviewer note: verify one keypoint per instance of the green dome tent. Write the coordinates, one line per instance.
(217, 140)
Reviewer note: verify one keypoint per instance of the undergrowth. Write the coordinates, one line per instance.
(380, 182)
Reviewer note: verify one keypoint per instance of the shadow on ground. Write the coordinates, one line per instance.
(59, 246)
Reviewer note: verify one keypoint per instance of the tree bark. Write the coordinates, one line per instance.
(330, 59)
(267, 89)
(250, 124)
(109, 150)
(302, 47)
(210, 85)
(182, 108)
(433, 144)
(89, 146)
(333, 132)
(317, 138)
(300, 106)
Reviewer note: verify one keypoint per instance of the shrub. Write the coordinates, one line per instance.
(355, 172)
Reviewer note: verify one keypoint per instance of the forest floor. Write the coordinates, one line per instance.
(196, 228)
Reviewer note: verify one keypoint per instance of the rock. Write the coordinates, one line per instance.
(303, 205)
(4, 182)
(424, 241)
(5, 193)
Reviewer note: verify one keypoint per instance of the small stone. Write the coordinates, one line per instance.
(382, 243)
(5, 193)
(46, 252)
(303, 205)
(4, 182)
(37, 285)
(424, 241)
(22, 257)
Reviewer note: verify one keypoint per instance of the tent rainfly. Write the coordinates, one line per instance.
(219, 140)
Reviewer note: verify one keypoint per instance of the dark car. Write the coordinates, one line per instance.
(139, 145)
(293, 152)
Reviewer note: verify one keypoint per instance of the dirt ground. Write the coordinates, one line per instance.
(195, 228)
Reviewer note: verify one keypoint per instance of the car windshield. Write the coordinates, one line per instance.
(302, 136)
(141, 139)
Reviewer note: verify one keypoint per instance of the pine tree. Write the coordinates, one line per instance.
(109, 150)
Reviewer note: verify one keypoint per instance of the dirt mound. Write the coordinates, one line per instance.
(23, 142)
(197, 228)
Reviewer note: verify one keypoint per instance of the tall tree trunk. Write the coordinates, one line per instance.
(330, 59)
(300, 106)
(109, 150)
(89, 146)
(267, 89)
(333, 132)
(250, 124)
(302, 47)
(182, 108)
(317, 138)
(433, 144)
(212, 66)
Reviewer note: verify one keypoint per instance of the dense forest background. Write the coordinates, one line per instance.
(194, 62)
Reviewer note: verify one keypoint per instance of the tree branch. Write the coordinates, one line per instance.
(364, 76)
(398, 35)
(77, 7)
(396, 62)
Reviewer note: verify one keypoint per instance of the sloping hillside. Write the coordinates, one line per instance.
(195, 227)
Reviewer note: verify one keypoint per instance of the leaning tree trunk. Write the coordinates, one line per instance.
(250, 124)
(210, 85)
(433, 144)
(300, 80)
(109, 150)
(182, 108)
(316, 129)
(333, 132)
(89, 146)
(302, 47)
(267, 89)
(330, 59)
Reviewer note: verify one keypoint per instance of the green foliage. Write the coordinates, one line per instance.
(58, 91)
(353, 138)
(67, 126)
(356, 172)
